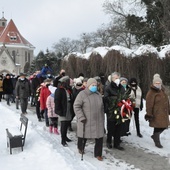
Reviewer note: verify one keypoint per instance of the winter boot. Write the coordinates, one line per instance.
(138, 130)
(139, 135)
(70, 128)
(63, 142)
(56, 131)
(68, 140)
(50, 129)
(156, 139)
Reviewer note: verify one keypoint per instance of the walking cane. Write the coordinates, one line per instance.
(83, 142)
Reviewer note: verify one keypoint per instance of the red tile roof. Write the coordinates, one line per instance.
(11, 35)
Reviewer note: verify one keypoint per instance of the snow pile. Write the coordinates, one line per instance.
(123, 50)
(146, 49)
(101, 50)
(142, 50)
(165, 51)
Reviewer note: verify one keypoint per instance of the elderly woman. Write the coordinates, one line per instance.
(89, 111)
(157, 108)
(63, 100)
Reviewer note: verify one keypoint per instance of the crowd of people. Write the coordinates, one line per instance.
(58, 100)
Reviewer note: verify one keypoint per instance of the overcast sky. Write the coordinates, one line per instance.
(44, 22)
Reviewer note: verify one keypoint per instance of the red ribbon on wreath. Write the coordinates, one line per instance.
(126, 108)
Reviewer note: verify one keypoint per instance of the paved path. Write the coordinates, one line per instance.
(140, 158)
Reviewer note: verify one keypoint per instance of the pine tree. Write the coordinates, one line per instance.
(154, 28)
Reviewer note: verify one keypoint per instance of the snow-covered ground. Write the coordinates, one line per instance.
(43, 151)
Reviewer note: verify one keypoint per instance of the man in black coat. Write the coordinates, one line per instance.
(113, 94)
(23, 91)
(8, 88)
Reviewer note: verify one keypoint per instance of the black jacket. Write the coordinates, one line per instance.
(60, 100)
(8, 86)
(112, 96)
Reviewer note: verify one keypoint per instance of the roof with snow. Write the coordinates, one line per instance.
(11, 35)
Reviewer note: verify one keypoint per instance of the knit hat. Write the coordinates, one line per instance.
(64, 79)
(123, 78)
(52, 89)
(98, 79)
(133, 80)
(90, 81)
(78, 81)
(8, 74)
(23, 74)
(47, 80)
(156, 78)
(81, 78)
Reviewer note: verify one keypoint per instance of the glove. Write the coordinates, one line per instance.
(83, 121)
(148, 117)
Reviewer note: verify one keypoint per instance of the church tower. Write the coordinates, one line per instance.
(3, 23)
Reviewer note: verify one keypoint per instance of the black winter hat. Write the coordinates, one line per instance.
(133, 80)
(8, 75)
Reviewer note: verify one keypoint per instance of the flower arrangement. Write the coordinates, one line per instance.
(123, 111)
(126, 108)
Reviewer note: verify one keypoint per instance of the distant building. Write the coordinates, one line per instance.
(16, 53)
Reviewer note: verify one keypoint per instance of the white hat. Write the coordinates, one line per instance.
(78, 81)
(156, 78)
(52, 89)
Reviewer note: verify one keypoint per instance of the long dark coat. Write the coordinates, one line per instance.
(112, 96)
(8, 86)
(60, 100)
(157, 107)
(89, 106)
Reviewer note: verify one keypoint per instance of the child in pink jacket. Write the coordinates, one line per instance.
(53, 117)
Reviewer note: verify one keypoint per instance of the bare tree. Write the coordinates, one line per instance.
(85, 42)
(119, 11)
(66, 46)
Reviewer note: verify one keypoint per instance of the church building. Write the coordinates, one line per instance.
(16, 53)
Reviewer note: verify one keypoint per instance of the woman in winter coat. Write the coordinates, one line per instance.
(78, 86)
(52, 116)
(136, 94)
(63, 102)
(157, 109)
(125, 126)
(89, 111)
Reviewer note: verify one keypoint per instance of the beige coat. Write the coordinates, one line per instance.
(89, 106)
(157, 106)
